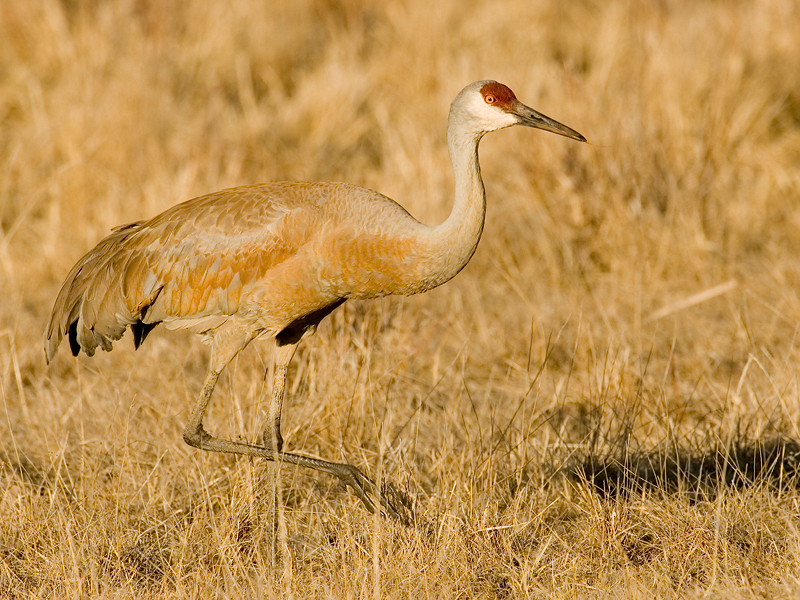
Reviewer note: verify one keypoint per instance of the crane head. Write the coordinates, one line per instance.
(490, 106)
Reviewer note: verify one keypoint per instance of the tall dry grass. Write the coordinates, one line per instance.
(631, 312)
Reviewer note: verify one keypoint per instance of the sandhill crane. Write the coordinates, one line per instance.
(273, 260)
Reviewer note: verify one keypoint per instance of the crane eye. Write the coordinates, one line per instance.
(489, 99)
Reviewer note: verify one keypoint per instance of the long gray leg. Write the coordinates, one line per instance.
(195, 435)
(272, 438)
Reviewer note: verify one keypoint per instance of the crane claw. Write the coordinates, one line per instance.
(395, 502)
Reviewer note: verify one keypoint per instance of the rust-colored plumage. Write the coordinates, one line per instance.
(272, 260)
(254, 258)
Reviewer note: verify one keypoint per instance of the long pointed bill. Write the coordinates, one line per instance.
(531, 118)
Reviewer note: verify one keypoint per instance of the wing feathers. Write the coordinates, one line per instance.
(189, 266)
(73, 311)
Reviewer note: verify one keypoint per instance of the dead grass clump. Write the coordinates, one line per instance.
(666, 545)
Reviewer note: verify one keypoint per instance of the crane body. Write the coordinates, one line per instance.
(273, 260)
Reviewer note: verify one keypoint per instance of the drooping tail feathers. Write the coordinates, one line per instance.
(92, 308)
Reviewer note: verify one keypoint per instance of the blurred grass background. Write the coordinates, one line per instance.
(637, 296)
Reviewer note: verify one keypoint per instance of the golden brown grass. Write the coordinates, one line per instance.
(579, 335)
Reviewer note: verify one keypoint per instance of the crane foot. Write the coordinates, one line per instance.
(394, 501)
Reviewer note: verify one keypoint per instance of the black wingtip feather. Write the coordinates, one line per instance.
(74, 346)
(140, 332)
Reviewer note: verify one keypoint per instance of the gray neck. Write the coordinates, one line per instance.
(452, 243)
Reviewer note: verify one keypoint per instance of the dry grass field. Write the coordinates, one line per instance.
(605, 403)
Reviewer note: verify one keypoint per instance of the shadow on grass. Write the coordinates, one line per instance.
(700, 474)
